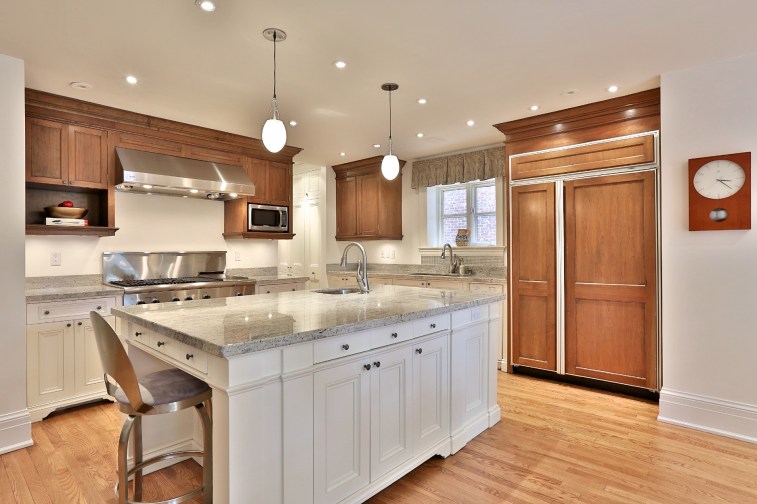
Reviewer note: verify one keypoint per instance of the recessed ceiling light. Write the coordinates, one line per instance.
(80, 85)
(419, 134)
(470, 122)
(569, 92)
(342, 154)
(612, 89)
(533, 108)
(422, 101)
(376, 146)
(340, 64)
(206, 5)
(131, 79)
(194, 191)
(292, 123)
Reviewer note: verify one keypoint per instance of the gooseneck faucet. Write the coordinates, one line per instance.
(362, 267)
(452, 257)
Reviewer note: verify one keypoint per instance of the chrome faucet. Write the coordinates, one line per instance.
(362, 267)
(453, 264)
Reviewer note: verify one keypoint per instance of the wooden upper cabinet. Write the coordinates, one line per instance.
(368, 207)
(257, 170)
(46, 151)
(279, 183)
(62, 154)
(88, 157)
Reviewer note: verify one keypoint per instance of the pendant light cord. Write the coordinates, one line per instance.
(274, 64)
(390, 123)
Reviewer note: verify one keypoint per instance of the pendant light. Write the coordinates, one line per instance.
(390, 165)
(274, 134)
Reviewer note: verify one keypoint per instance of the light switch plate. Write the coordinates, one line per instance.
(55, 259)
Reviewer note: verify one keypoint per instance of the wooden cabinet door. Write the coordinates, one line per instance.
(430, 393)
(341, 437)
(368, 187)
(49, 362)
(391, 392)
(346, 208)
(257, 170)
(88, 157)
(46, 151)
(279, 183)
(610, 279)
(534, 331)
(89, 371)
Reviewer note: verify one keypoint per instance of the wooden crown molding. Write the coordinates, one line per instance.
(361, 166)
(61, 108)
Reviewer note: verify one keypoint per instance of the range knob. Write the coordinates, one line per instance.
(175, 299)
(206, 296)
(188, 298)
(140, 302)
(155, 301)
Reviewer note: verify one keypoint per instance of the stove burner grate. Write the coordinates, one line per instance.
(160, 281)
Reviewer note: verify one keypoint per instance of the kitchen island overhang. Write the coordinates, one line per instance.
(328, 398)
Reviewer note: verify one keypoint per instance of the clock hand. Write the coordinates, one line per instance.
(722, 182)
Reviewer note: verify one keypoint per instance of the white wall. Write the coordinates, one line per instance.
(413, 227)
(709, 277)
(148, 223)
(15, 424)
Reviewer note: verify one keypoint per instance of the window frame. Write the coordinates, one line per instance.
(470, 213)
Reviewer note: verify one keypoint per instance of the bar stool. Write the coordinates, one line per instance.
(166, 391)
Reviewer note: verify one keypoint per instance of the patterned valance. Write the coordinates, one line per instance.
(475, 165)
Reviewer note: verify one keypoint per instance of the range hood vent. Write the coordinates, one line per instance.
(146, 172)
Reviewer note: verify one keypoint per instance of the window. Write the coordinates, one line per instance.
(471, 206)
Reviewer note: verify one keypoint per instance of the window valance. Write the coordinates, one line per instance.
(476, 165)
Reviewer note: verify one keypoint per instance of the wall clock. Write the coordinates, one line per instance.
(720, 192)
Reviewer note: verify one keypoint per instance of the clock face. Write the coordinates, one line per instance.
(719, 179)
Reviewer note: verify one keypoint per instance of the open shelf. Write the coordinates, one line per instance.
(41, 229)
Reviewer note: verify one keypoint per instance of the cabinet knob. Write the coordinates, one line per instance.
(433, 326)
(345, 347)
(190, 356)
(377, 364)
(367, 367)
(99, 308)
(394, 335)
(68, 325)
(419, 350)
(78, 323)
(137, 334)
(206, 296)
(267, 292)
(161, 343)
(47, 312)
(293, 288)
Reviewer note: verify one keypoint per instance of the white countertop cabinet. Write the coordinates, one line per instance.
(338, 418)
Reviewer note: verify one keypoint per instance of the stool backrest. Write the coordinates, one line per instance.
(115, 361)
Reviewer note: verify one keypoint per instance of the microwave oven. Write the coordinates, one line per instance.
(268, 218)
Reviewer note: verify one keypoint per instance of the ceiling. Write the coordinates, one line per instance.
(485, 60)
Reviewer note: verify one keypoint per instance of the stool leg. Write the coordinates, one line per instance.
(204, 410)
(138, 458)
(123, 468)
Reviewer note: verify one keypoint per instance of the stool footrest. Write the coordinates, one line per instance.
(158, 458)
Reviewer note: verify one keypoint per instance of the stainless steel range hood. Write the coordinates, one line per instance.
(146, 172)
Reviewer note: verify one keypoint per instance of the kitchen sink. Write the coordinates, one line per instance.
(338, 290)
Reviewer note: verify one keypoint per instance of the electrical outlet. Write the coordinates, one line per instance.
(392, 253)
(237, 255)
(55, 259)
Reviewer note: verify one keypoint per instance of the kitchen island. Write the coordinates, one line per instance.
(321, 398)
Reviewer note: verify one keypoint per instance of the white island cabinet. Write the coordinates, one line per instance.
(325, 399)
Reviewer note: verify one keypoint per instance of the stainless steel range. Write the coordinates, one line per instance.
(164, 277)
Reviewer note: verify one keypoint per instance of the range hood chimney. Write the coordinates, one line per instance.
(146, 172)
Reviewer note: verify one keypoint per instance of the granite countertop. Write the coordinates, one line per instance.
(62, 293)
(425, 276)
(234, 326)
(277, 279)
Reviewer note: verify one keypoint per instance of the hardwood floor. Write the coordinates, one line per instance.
(555, 443)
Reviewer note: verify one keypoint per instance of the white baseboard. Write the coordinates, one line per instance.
(15, 431)
(470, 430)
(709, 414)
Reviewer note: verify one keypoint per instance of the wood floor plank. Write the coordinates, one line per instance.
(556, 443)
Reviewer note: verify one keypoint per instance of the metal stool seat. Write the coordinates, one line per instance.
(161, 392)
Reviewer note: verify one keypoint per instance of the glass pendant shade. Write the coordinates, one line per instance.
(274, 135)
(390, 167)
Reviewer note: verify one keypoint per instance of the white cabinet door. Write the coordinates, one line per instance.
(430, 393)
(469, 382)
(341, 423)
(313, 262)
(391, 390)
(50, 362)
(89, 371)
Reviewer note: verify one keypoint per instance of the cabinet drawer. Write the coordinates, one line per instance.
(431, 325)
(486, 287)
(178, 351)
(279, 287)
(341, 346)
(470, 316)
(388, 335)
(54, 311)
